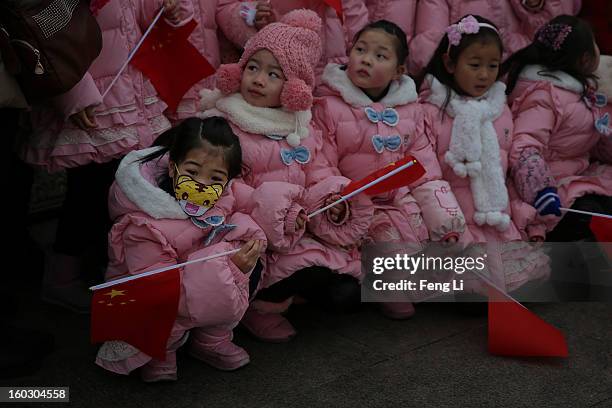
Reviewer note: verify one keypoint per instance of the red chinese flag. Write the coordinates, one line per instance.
(515, 331)
(602, 228)
(401, 179)
(336, 5)
(171, 62)
(140, 312)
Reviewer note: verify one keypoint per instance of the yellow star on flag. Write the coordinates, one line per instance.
(114, 293)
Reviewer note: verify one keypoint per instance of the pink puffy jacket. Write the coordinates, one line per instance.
(557, 142)
(335, 37)
(151, 231)
(516, 23)
(130, 117)
(288, 180)
(359, 144)
(512, 263)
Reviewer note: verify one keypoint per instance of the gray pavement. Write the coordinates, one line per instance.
(437, 359)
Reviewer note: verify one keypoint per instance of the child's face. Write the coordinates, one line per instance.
(476, 68)
(373, 62)
(204, 164)
(262, 80)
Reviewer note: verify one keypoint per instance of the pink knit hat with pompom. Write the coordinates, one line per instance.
(296, 43)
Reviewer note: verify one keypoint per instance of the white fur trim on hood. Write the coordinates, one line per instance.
(151, 199)
(400, 92)
(474, 149)
(262, 121)
(558, 78)
(604, 72)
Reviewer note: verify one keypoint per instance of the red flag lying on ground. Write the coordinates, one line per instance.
(515, 331)
(401, 179)
(336, 5)
(140, 312)
(602, 228)
(171, 62)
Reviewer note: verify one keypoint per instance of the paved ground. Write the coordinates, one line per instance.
(436, 359)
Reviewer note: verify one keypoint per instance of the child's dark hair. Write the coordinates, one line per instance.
(401, 45)
(566, 55)
(191, 134)
(436, 66)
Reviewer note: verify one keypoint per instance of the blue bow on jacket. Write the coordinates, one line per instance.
(388, 116)
(603, 125)
(300, 154)
(391, 143)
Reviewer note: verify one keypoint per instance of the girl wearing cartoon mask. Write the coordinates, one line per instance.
(174, 203)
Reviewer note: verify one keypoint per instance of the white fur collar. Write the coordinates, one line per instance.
(558, 78)
(262, 121)
(604, 72)
(400, 92)
(148, 197)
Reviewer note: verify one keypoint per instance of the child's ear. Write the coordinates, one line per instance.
(448, 64)
(401, 70)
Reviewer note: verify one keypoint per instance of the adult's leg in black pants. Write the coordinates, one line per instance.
(81, 239)
(84, 221)
(21, 349)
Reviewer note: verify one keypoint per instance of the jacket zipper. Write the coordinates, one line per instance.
(39, 69)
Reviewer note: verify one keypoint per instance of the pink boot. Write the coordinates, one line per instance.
(215, 348)
(270, 327)
(156, 370)
(397, 310)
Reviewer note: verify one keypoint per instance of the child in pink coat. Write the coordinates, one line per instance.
(562, 155)
(358, 142)
(161, 218)
(86, 135)
(267, 97)
(517, 21)
(472, 126)
(240, 20)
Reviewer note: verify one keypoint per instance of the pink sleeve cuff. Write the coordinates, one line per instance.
(291, 218)
(538, 7)
(83, 95)
(347, 214)
(241, 279)
(450, 235)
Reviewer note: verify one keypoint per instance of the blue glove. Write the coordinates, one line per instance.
(547, 202)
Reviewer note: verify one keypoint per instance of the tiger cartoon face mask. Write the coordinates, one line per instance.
(195, 198)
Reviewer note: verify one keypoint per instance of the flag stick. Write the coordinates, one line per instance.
(165, 269)
(131, 55)
(359, 190)
(594, 214)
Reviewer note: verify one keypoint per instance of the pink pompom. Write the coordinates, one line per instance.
(303, 18)
(296, 95)
(228, 78)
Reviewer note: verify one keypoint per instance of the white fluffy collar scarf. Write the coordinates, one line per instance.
(474, 149)
(400, 92)
(558, 78)
(272, 122)
(151, 199)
